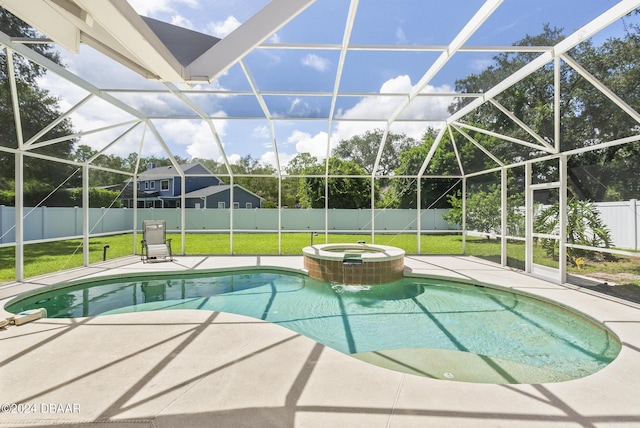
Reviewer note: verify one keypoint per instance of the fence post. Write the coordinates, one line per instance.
(2, 230)
(634, 208)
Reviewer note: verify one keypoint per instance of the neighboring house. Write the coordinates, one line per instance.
(160, 187)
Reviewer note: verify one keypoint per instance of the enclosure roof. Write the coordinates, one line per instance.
(185, 45)
(215, 79)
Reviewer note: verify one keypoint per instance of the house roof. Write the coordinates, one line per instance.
(208, 191)
(170, 172)
(212, 190)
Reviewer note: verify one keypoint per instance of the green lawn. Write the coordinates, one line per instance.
(55, 256)
(50, 257)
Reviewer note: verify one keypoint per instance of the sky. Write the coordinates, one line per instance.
(301, 123)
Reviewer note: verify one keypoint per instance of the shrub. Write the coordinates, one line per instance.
(584, 227)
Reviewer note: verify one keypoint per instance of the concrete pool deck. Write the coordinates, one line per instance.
(196, 368)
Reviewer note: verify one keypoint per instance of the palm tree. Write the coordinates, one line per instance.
(584, 227)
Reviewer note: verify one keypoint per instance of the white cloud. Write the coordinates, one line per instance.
(94, 114)
(481, 64)
(232, 158)
(181, 21)
(316, 62)
(275, 38)
(421, 108)
(296, 102)
(397, 84)
(261, 131)
(195, 135)
(269, 158)
(400, 35)
(307, 143)
(223, 28)
(149, 8)
(380, 107)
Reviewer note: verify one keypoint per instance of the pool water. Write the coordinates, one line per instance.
(436, 318)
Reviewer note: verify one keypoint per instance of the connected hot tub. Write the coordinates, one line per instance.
(354, 264)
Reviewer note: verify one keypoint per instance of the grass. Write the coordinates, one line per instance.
(51, 257)
(48, 257)
(623, 271)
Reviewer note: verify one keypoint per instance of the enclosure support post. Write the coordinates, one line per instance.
(85, 214)
(231, 215)
(503, 217)
(326, 202)
(528, 203)
(373, 210)
(464, 215)
(279, 214)
(562, 254)
(556, 103)
(634, 208)
(183, 212)
(19, 170)
(19, 177)
(134, 183)
(419, 206)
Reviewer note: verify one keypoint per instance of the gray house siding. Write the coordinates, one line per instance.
(202, 189)
(241, 196)
(193, 183)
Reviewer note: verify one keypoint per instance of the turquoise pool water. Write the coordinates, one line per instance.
(413, 313)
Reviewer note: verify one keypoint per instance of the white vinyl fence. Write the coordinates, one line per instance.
(622, 218)
(50, 222)
(58, 222)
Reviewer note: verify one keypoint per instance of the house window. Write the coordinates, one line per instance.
(248, 205)
(221, 205)
(139, 185)
(153, 185)
(146, 185)
(236, 205)
(164, 185)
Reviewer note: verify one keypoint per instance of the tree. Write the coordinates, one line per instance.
(344, 192)
(145, 163)
(99, 177)
(594, 174)
(483, 208)
(265, 187)
(26, 71)
(211, 165)
(300, 162)
(98, 198)
(363, 150)
(296, 166)
(584, 227)
(37, 109)
(402, 192)
(587, 116)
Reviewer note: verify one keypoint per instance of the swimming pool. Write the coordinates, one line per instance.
(440, 326)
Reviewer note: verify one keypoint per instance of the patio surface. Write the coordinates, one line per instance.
(196, 368)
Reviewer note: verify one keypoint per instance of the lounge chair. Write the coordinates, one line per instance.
(155, 245)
